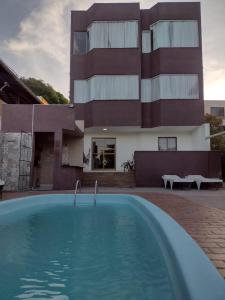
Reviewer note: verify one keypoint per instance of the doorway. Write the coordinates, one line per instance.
(43, 161)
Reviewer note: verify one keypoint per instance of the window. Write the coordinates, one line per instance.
(107, 87)
(167, 143)
(146, 44)
(217, 111)
(175, 34)
(122, 34)
(80, 43)
(146, 90)
(170, 87)
(103, 153)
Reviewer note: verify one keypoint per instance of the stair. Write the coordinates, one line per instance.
(109, 179)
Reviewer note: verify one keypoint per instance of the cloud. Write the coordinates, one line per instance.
(42, 44)
(42, 47)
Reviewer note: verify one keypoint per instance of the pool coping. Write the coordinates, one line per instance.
(201, 277)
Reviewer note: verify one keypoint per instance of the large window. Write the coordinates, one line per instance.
(170, 87)
(107, 87)
(217, 111)
(146, 41)
(103, 153)
(81, 43)
(175, 34)
(122, 34)
(167, 143)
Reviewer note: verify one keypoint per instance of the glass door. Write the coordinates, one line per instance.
(103, 153)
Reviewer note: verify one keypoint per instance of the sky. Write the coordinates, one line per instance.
(35, 40)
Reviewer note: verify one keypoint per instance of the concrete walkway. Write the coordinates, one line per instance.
(209, 197)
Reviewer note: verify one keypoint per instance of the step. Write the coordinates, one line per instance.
(109, 179)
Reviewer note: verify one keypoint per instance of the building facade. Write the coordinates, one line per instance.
(137, 84)
(137, 109)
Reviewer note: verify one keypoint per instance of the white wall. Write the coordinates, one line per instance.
(127, 143)
(198, 138)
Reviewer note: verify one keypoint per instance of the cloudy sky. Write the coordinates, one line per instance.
(35, 40)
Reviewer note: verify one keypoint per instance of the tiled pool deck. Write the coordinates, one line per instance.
(206, 224)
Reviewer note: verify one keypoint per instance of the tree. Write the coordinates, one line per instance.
(40, 88)
(216, 126)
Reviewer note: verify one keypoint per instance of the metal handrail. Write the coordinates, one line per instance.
(75, 192)
(96, 191)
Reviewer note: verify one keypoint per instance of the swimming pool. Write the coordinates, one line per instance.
(124, 248)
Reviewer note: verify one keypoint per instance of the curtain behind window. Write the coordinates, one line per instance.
(107, 87)
(122, 34)
(175, 34)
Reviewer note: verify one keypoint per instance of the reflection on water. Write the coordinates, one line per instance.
(62, 253)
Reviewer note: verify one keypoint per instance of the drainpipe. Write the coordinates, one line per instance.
(33, 143)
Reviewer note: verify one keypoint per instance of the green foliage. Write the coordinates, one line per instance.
(40, 88)
(216, 126)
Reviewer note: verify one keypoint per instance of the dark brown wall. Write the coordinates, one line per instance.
(100, 62)
(170, 11)
(47, 118)
(150, 166)
(171, 61)
(104, 12)
(134, 113)
(175, 112)
(110, 113)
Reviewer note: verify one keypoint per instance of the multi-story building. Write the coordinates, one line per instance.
(136, 89)
(137, 83)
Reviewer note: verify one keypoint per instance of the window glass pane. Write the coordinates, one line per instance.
(80, 43)
(167, 143)
(146, 90)
(103, 153)
(175, 87)
(175, 34)
(162, 144)
(172, 144)
(121, 34)
(107, 87)
(146, 43)
(217, 111)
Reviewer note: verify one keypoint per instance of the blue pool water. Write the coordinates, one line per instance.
(111, 251)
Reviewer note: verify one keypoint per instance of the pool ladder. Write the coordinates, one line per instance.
(96, 191)
(78, 184)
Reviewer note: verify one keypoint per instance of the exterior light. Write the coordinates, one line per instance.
(105, 129)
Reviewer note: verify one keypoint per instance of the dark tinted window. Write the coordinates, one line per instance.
(80, 43)
(103, 153)
(167, 143)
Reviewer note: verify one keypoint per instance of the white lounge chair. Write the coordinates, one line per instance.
(199, 179)
(175, 179)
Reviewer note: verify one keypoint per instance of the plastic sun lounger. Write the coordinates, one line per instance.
(199, 179)
(175, 179)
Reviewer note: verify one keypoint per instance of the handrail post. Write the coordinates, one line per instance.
(75, 192)
(96, 191)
